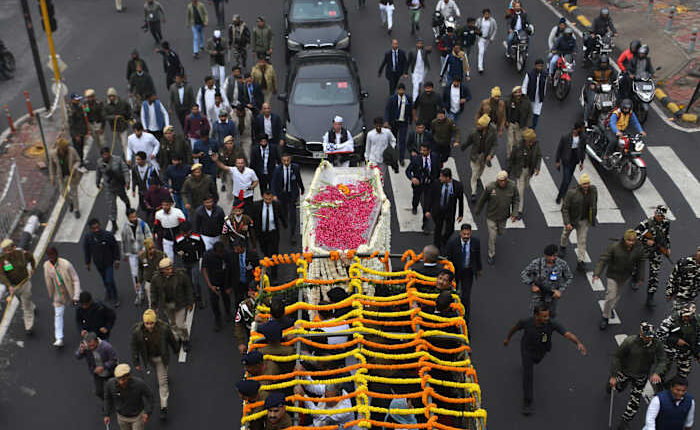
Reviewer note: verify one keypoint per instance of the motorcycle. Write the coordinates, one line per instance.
(626, 162)
(602, 45)
(561, 83)
(519, 48)
(438, 24)
(7, 62)
(643, 92)
(603, 101)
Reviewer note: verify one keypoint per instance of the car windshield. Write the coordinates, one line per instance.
(315, 10)
(324, 92)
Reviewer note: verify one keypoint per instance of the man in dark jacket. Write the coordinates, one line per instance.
(171, 63)
(77, 124)
(141, 85)
(268, 123)
(181, 98)
(445, 134)
(454, 97)
(264, 157)
(189, 250)
(418, 66)
(217, 266)
(624, 260)
(397, 116)
(252, 96)
(416, 138)
(287, 186)
(446, 201)
(501, 199)
(93, 316)
(518, 118)
(464, 251)
(208, 221)
(634, 359)
(672, 409)
(100, 247)
(423, 171)
(151, 342)
(483, 142)
(601, 25)
(101, 360)
(268, 217)
(571, 151)
(524, 163)
(654, 234)
(426, 105)
(114, 179)
(133, 61)
(535, 88)
(129, 397)
(578, 212)
(171, 144)
(171, 295)
(117, 116)
(394, 65)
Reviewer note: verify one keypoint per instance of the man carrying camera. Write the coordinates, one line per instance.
(548, 277)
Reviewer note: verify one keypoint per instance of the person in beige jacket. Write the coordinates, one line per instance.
(264, 75)
(64, 162)
(63, 286)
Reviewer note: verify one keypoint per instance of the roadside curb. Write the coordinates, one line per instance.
(675, 108)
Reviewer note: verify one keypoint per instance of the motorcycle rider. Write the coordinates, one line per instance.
(601, 74)
(601, 25)
(627, 54)
(619, 121)
(518, 21)
(448, 8)
(556, 32)
(566, 44)
(639, 63)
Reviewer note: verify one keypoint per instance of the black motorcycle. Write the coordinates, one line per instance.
(626, 161)
(7, 62)
(602, 45)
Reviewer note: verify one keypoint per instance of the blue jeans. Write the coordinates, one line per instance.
(453, 116)
(179, 203)
(535, 118)
(567, 172)
(107, 274)
(198, 38)
(553, 62)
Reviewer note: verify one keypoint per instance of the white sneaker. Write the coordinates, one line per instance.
(58, 343)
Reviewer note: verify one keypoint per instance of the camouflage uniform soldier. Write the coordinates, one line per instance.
(684, 282)
(547, 277)
(680, 333)
(653, 233)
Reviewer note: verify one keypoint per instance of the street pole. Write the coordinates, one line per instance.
(35, 53)
(49, 37)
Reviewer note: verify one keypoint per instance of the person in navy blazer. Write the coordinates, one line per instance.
(257, 160)
(423, 171)
(275, 124)
(464, 96)
(287, 186)
(443, 212)
(392, 117)
(251, 88)
(394, 65)
(466, 270)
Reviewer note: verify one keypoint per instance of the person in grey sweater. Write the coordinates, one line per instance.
(129, 397)
(101, 359)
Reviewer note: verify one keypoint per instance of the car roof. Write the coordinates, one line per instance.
(323, 63)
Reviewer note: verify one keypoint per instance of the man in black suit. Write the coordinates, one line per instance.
(268, 123)
(571, 151)
(446, 196)
(416, 138)
(263, 160)
(454, 97)
(244, 262)
(398, 115)
(252, 96)
(423, 170)
(267, 219)
(464, 251)
(287, 186)
(396, 65)
(429, 266)
(181, 98)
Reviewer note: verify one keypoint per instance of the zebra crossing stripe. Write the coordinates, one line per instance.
(681, 176)
(545, 190)
(71, 228)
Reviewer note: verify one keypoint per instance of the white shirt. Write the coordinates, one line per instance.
(146, 143)
(331, 419)
(268, 214)
(143, 170)
(242, 181)
(376, 143)
(575, 141)
(218, 109)
(447, 9)
(401, 100)
(655, 407)
(267, 124)
(419, 67)
(485, 27)
(181, 94)
(454, 99)
(518, 22)
(335, 340)
(265, 154)
(209, 99)
(171, 219)
(152, 123)
(343, 147)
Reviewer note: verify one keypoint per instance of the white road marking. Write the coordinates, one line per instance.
(71, 228)
(545, 190)
(608, 212)
(615, 317)
(403, 195)
(648, 389)
(182, 357)
(596, 285)
(648, 198)
(679, 173)
(489, 176)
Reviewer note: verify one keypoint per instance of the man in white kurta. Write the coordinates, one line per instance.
(377, 142)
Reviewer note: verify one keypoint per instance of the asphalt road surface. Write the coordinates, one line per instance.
(41, 388)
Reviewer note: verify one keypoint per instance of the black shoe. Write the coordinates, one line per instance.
(114, 226)
(186, 346)
(201, 304)
(29, 332)
(650, 301)
(558, 200)
(414, 211)
(481, 72)
(635, 287)
(223, 188)
(396, 169)
(77, 214)
(163, 414)
(217, 326)
(388, 32)
(562, 251)
(117, 303)
(581, 266)
(402, 163)
(491, 260)
(70, 208)
(472, 199)
(603, 323)
(527, 408)
(519, 216)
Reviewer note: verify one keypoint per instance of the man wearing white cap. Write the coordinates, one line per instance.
(17, 278)
(338, 143)
(501, 199)
(217, 49)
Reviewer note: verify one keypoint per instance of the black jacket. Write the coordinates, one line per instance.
(416, 170)
(568, 156)
(259, 128)
(277, 183)
(388, 62)
(139, 336)
(129, 401)
(514, 18)
(256, 159)
(251, 262)
(192, 248)
(412, 57)
(219, 268)
(413, 143)
(601, 25)
(101, 248)
(453, 251)
(95, 317)
(455, 201)
(392, 112)
(464, 93)
(258, 97)
(187, 98)
(257, 215)
(208, 225)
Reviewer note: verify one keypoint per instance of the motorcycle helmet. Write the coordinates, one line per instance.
(626, 105)
(643, 50)
(604, 12)
(634, 45)
(604, 61)
(568, 32)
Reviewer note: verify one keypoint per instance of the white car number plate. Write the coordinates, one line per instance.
(317, 154)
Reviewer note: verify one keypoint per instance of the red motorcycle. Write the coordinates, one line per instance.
(561, 82)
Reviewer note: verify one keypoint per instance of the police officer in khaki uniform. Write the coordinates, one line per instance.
(16, 277)
(171, 294)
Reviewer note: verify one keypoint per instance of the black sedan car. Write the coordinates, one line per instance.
(312, 24)
(320, 85)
